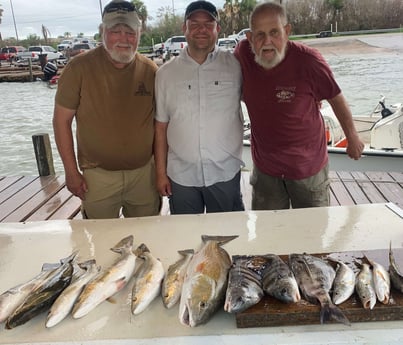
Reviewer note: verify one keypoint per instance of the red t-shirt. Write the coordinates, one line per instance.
(288, 135)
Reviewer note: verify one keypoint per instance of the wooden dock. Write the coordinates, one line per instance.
(34, 198)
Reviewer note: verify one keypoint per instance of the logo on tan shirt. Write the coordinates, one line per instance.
(142, 91)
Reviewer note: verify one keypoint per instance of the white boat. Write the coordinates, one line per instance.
(383, 152)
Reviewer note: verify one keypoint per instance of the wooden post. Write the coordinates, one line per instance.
(43, 154)
(31, 76)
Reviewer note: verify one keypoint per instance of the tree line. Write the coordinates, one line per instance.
(306, 17)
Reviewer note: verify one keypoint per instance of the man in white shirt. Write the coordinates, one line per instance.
(199, 127)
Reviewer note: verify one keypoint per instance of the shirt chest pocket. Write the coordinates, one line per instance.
(221, 89)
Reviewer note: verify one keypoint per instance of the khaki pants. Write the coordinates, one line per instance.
(275, 193)
(131, 191)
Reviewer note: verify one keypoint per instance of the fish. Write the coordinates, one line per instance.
(364, 286)
(147, 281)
(344, 282)
(109, 281)
(12, 298)
(315, 278)
(396, 276)
(43, 296)
(244, 288)
(278, 280)
(381, 280)
(205, 283)
(173, 280)
(64, 303)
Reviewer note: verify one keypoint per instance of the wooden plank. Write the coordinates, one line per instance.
(391, 192)
(375, 176)
(271, 312)
(353, 188)
(48, 191)
(51, 206)
(341, 193)
(68, 210)
(8, 181)
(15, 188)
(398, 177)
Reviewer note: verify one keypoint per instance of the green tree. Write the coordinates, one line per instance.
(142, 12)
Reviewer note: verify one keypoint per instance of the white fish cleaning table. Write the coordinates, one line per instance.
(24, 247)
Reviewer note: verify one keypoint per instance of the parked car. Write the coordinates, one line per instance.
(64, 45)
(33, 53)
(227, 44)
(79, 48)
(175, 44)
(240, 35)
(10, 53)
(324, 34)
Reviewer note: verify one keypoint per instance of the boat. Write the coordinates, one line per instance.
(383, 151)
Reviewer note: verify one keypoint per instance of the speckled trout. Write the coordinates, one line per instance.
(108, 282)
(205, 283)
(172, 284)
(64, 303)
(147, 280)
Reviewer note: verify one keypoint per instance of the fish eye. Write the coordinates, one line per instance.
(202, 304)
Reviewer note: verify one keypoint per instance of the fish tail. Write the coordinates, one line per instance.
(141, 249)
(123, 244)
(220, 239)
(186, 252)
(331, 312)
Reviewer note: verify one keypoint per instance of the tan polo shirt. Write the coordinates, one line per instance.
(114, 109)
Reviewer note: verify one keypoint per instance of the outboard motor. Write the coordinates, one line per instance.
(385, 111)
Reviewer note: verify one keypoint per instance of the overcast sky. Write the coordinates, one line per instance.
(74, 16)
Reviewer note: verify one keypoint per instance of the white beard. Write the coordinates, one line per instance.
(279, 56)
(120, 56)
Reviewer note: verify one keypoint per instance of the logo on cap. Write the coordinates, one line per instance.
(202, 5)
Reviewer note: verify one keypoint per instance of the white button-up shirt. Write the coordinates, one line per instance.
(201, 104)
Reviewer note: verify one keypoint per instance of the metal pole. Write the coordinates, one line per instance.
(15, 25)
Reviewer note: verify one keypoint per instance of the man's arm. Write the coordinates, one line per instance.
(343, 113)
(62, 120)
(160, 155)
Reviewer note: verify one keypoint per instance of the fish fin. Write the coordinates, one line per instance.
(185, 252)
(141, 249)
(70, 258)
(120, 283)
(220, 239)
(50, 267)
(112, 300)
(124, 243)
(331, 312)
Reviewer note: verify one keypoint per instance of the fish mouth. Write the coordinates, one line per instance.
(185, 318)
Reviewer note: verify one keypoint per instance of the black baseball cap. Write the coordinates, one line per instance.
(202, 5)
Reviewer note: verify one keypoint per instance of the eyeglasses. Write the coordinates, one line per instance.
(124, 6)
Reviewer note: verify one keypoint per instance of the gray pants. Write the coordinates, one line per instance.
(275, 193)
(220, 197)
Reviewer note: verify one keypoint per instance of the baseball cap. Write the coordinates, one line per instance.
(120, 12)
(202, 5)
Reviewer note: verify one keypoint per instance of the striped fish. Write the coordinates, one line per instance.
(244, 283)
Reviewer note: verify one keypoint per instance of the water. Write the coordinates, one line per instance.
(27, 108)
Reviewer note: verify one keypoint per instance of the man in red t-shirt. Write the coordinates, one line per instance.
(283, 85)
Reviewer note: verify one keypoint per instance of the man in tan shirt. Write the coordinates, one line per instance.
(109, 91)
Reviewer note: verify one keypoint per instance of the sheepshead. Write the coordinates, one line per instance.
(12, 298)
(244, 287)
(315, 278)
(173, 281)
(109, 281)
(395, 276)
(64, 303)
(364, 286)
(205, 283)
(43, 296)
(147, 281)
(344, 282)
(279, 281)
(381, 281)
